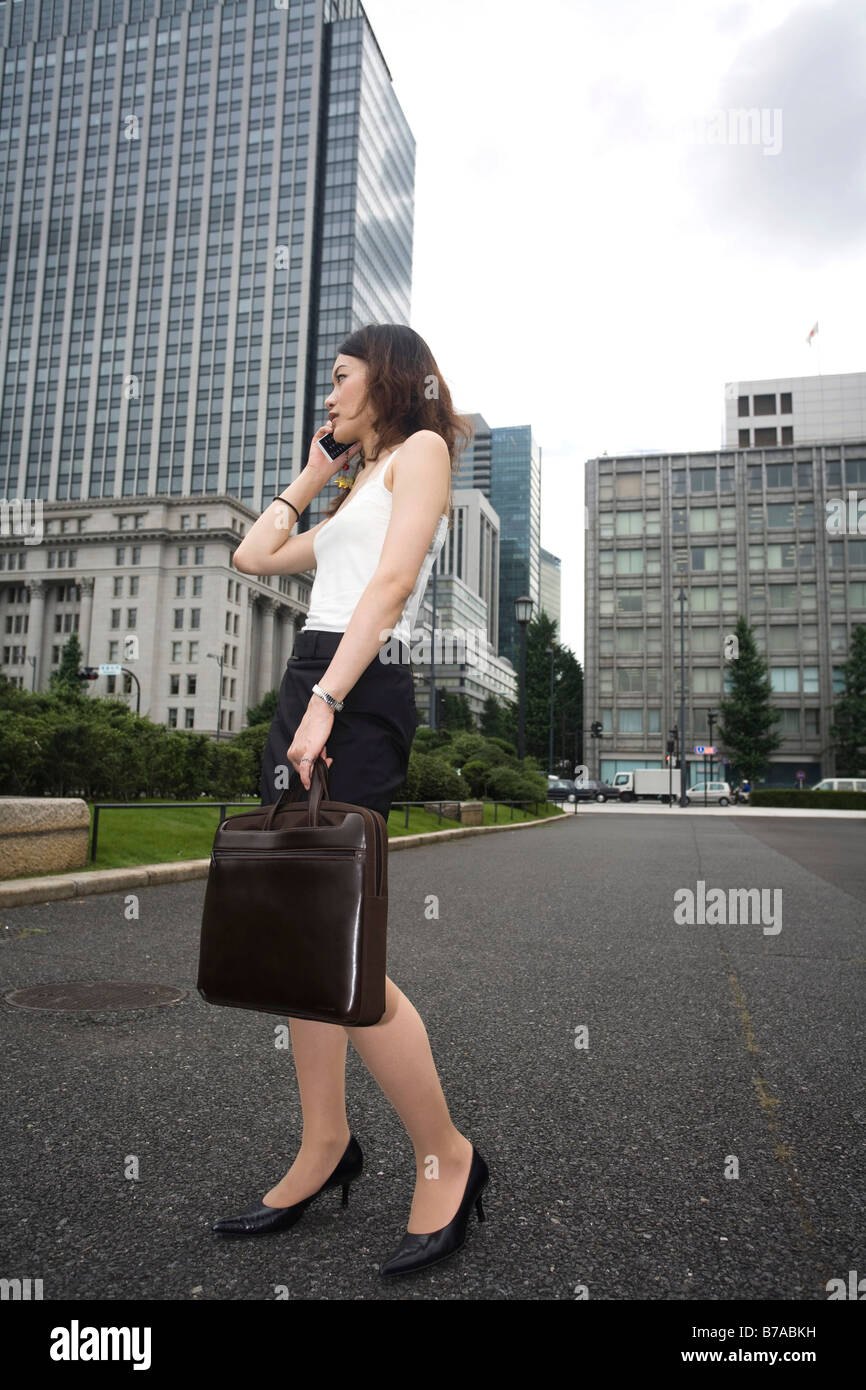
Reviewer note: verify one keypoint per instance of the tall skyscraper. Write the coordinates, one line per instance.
(197, 202)
(505, 463)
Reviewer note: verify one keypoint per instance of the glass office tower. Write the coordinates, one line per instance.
(198, 202)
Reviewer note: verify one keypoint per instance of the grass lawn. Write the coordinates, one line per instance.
(167, 836)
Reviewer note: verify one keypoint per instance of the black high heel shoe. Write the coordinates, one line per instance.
(261, 1219)
(420, 1250)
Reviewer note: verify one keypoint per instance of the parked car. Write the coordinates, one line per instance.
(719, 793)
(840, 784)
(595, 791)
(562, 789)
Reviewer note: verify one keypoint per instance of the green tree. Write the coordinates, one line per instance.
(66, 677)
(746, 727)
(848, 730)
(567, 697)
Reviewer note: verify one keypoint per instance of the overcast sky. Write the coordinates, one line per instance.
(596, 252)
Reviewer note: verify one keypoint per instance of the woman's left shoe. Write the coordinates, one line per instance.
(419, 1250)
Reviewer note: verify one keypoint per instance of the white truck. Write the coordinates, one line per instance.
(648, 784)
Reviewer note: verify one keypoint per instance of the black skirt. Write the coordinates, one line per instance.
(372, 734)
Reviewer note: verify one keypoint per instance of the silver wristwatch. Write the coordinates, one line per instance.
(329, 699)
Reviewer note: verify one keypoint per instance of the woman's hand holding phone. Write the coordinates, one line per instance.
(323, 468)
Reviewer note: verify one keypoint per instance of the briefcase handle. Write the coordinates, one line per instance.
(318, 789)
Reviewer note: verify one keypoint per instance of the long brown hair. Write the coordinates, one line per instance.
(407, 393)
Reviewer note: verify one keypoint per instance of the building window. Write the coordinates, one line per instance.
(785, 680)
(755, 476)
(810, 680)
(789, 723)
(838, 638)
(857, 594)
(630, 680)
(703, 479)
(785, 405)
(780, 475)
(654, 721)
(705, 557)
(787, 434)
(742, 405)
(813, 727)
(704, 518)
(629, 602)
(629, 639)
(630, 721)
(784, 639)
(726, 479)
(705, 599)
(706, 680)
(744, 439)
(782, 595)
(764, 405)
(766, 436)
(855, 472)
(833, 473)
(628, 486)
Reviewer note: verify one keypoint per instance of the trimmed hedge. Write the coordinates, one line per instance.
(808, 801)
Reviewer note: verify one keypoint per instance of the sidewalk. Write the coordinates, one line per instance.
(17, 892)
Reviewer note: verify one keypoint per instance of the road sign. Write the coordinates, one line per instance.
(108, 669)
(801, 776)
(705, 748)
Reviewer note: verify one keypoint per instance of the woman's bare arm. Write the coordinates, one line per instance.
(293, 556)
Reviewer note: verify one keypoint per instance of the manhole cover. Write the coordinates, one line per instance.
(95, 995)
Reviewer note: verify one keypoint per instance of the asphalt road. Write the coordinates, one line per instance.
(711, 1050)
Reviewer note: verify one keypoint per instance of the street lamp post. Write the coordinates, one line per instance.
(673, 737)
(681, 599)
(218, 658)
(712, 718)
(522, 612)
(550, 739)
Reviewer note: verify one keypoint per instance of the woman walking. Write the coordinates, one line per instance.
(372, 554)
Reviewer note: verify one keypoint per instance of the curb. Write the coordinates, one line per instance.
(55, 887)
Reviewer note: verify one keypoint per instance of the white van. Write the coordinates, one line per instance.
(841, 784)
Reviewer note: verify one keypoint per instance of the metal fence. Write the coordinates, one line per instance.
(223, 805)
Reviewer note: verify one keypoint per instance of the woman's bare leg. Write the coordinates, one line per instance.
(319, 1052)
(396, 1052)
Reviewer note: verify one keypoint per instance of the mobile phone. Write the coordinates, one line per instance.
(329, 446)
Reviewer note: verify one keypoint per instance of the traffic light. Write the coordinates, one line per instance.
(671, 746)
(88, 673)
(596, 728)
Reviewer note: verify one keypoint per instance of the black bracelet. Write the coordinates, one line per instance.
(289, 504)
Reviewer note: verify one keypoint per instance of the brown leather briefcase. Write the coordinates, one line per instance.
(296, 909)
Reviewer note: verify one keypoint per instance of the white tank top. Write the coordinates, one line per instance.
(347, 550)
